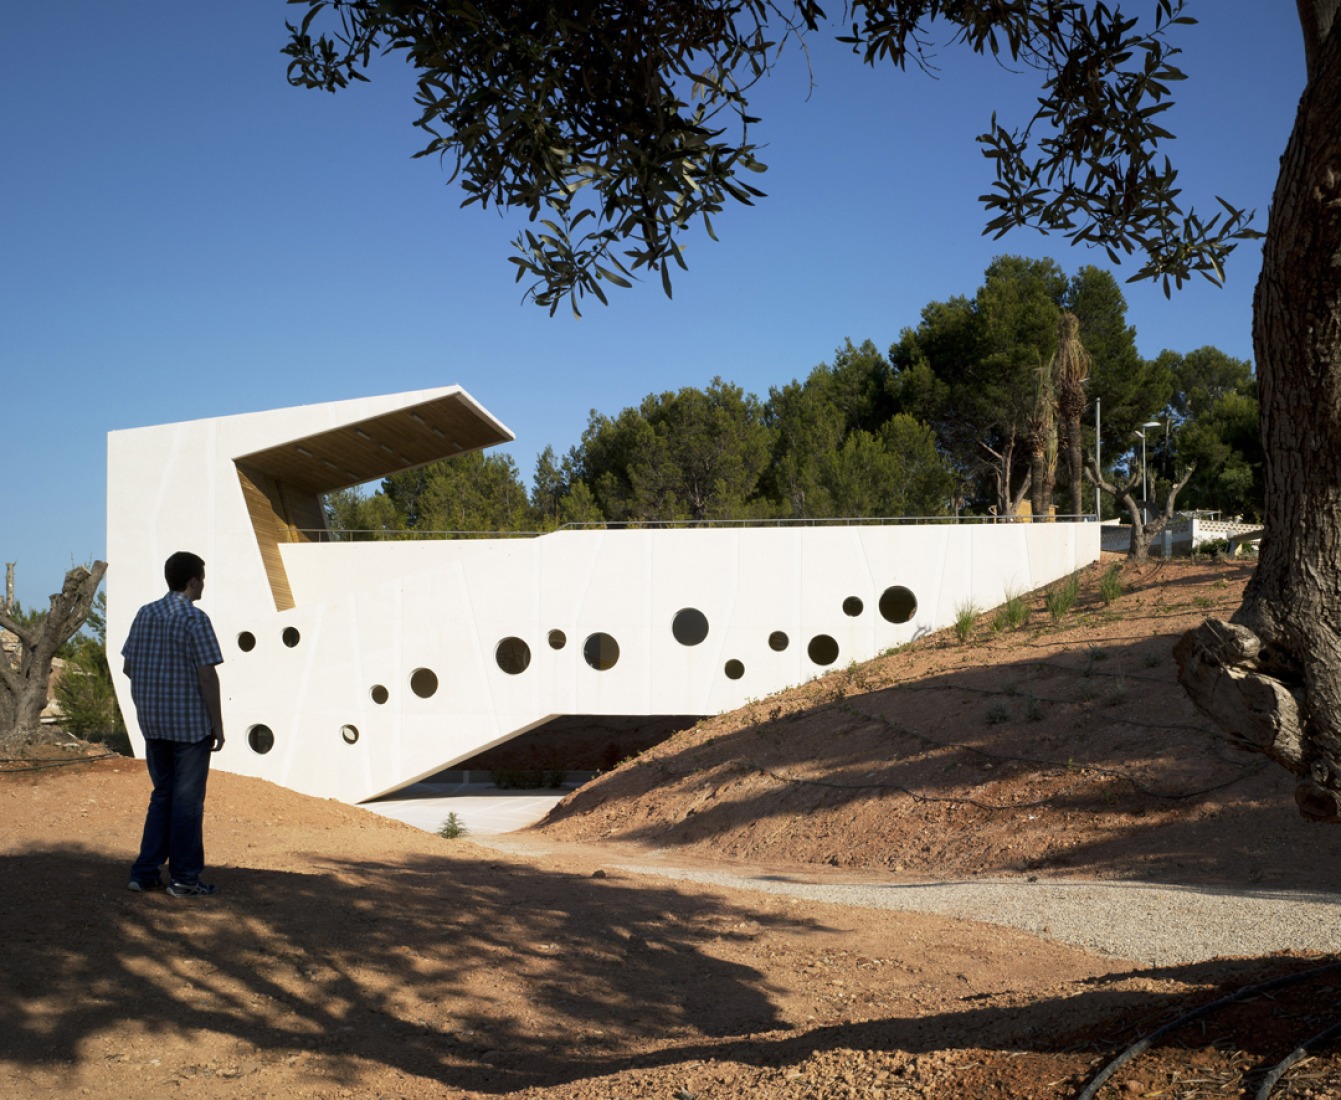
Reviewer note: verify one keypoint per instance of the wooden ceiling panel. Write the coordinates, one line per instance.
(381, 445)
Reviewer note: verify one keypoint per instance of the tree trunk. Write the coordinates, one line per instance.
(1073, 369)
(1273, 679)
(1142, 533)
(23, 685)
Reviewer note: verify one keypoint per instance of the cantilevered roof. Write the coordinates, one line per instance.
(379, 446)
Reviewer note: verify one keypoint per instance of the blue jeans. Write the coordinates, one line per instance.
(172, 825)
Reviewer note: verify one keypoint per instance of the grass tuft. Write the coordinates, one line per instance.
(1012, 614)
(1062, 597)
(1110, 585)
(966, 615)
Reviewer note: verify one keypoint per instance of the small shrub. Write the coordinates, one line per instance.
(1062, 597)
(453, 828)
(998, 713)
(1033, 709)
(1092, 657)
(1010, 687)
(1012, 614)
(966, 614)
(1110, 585)
(1151, 660)
(1116, 693)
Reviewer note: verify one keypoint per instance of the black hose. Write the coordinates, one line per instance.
(1300, 1052)
(1142, 1045)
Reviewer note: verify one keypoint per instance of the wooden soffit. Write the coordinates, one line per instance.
(380, 445)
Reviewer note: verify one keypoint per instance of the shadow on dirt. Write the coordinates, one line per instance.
(298, 963)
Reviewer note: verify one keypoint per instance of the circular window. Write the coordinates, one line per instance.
(379, 694)
(424, 682)
(897, 604)
(601, 652)
(246, 641)
(290, 636)
(557, 639)
(734, 669)
(690, 626)
(512, 655)
(778, 641)
(852, 606)
(261, 739)
(350, 734)
(823, 650)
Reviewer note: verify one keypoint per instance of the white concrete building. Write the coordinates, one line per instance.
(353, 669)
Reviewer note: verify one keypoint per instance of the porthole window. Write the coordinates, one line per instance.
(513, 656)
(246, 641)
(690, 626)
(261, 739)
(424, 682)
(897, 604)
(601, 652)
(379, 694)
(291, 636)
(557, 639)
(734, 669)
(823, 650)
(778, 641)
(350, 734)
(852, 606)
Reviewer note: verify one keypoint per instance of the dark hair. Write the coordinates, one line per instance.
(182, 568)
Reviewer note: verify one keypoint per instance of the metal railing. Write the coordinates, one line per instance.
(379, 535)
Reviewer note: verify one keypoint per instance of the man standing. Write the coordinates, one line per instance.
(170, 657)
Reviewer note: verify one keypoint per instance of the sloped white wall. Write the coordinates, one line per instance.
(368, 615)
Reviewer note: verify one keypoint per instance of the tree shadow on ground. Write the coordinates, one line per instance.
(394, 965)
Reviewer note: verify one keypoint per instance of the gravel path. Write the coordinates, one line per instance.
(1154, 925)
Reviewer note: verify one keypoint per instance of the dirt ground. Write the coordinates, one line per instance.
(349, 955)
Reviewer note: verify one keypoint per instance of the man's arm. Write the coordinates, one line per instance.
(209, 690)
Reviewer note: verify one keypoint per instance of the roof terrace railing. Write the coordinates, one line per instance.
(383, 535)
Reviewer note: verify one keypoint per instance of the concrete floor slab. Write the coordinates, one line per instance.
(482, 808)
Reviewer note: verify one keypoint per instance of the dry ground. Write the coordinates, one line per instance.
(348, 955)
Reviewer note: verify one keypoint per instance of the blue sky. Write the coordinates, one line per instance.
(184, 235)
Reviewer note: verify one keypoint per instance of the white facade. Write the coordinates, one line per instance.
(384, 662)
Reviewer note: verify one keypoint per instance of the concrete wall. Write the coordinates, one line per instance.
(402, 658)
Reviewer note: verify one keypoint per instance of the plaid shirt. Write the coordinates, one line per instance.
(169, 640)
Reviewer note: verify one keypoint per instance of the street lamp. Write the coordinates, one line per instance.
(1145, 485)
(1098, 466)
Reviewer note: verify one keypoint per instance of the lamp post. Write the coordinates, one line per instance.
(1098, 467)
(1145, 483)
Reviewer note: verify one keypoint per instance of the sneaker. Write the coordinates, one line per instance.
(138, 887)
(192, 890)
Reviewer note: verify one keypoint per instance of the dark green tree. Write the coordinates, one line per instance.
(354, 516)
(473, 492)
(972, 371)
(1213, 420)
(811, 421)
(688, 455)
